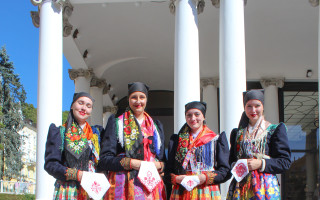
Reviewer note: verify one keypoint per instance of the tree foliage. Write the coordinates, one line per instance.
(65, 116)
(12, 96)
(29, 112)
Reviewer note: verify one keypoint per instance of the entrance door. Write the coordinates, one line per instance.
(300, 115)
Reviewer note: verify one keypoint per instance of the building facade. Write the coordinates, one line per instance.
(187, 50)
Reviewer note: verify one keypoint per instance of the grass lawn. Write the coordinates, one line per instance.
(17, 197)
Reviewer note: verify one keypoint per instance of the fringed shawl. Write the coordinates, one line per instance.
(254, 145)
(131, 138)
(199, 155)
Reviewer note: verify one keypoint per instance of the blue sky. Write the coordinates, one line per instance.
(21, 40)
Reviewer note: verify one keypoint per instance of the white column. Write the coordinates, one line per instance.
(271, 99)
(49, 88)
(271, 102)
(186, 56)
(96, 88)
(81, 78)
(108, 108)
(209, 92)
(232, 67)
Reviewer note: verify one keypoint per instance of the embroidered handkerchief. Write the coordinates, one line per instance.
(148, 175)
(240, 169)
(189, 182)
(95, 184)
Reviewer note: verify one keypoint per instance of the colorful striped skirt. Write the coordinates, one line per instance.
(203, 192)
(124, 188)
(256, 186)
(69, 190)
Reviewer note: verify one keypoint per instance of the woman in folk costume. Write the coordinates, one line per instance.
(197, 154)
(265, 148)
(73, 148)
(128, 140)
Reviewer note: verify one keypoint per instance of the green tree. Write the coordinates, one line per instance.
(65, 116)
(29, 112)
(12, 96)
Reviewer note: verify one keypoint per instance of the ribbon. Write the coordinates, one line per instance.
(146, 148)
(188, 157)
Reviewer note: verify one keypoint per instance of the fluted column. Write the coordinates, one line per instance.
(232, 67)
(209, 92)
(81, 78)
(271, 98)
(186, 58)
(49, 86)
(96, 88)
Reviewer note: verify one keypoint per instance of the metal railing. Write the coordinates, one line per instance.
(19, 187)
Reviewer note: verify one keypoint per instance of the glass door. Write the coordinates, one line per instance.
(301, 118)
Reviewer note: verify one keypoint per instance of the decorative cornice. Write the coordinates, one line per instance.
(96, 82)
(112, 109)
(106, 89)
(67, 12)
(199, 5)
(35, 18)
(172, 7)
(61, 2)
(75, 73)
(314, 3)
(216, 3)
(209, 81)
(266, 82)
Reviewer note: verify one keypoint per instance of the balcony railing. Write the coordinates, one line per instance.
(13, 187)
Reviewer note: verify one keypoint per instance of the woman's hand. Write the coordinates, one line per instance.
(176, 178)
(179, 178)
(254, 164)
(79, 175)
(135, 164)
(202, 179)
(159, 166)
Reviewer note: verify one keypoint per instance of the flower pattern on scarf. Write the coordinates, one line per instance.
(183, 145)
(76, 139)
(131, 130)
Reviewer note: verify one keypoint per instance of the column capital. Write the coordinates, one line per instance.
(75, 73)
(96, 82)
(66, 13)
(38, 2)
(112, 109)
(314, 3)
(216, 3)
(278, 82)
(199, 4)
(209, 81)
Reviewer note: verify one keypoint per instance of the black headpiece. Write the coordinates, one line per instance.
(247, 96)
(253, 94)
(81, 94)
(202, 106)
(137, 87)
